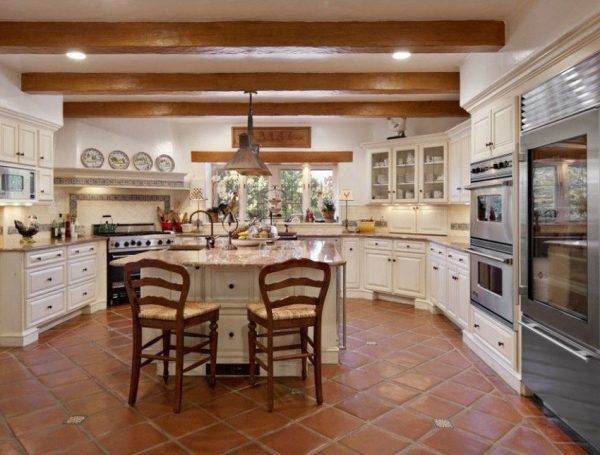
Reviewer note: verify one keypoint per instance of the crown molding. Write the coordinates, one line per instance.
(587, 34)
(29, 119)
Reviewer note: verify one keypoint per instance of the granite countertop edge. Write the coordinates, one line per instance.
(16, 246)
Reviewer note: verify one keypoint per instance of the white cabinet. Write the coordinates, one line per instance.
(409, 274)
(438, 283)
(351, 253)
(45, 185)
(9, 141)
(405, 174)
(46, 148)
(494, 130)
(459, 157)
(380, 174)
(431, 219)
(499, 339)
(433, 158)
(27, 145)
(378, 270)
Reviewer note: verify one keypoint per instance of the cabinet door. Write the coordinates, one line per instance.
(351, 255)
(378, 270)
(442, 285)
(503, 128)
(464, 297)
(46, 148)
(453, 292)
(45, 185)
(380, 175)
(403, 219)
(8, 141)
(409, 274)
(455, 174)
(434, 277)
(433, 173)
(480, 135)
(465, 169)
(432, 220)
(405, 187)
(27, 145)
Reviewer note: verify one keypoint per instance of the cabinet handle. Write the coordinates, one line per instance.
(407, 246)
(440, 252)
(42, 157)
(460, 260)
(501, 344)
(458, 188)
(389, 260)
(435, 268)
(49, 279)
(351, 249)
(454, 277)
(92, 249)
(84, 270)
(231, 334)
(49, 307)
(376, 244)
(476, 326)
(42, 191)
(76, 251)
(197, 267)
(431, 249)
(39, 258)
(449, 255)
(59, 255)
(84, 294)
(231, 285)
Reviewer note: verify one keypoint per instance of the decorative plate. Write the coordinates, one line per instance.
(165, 163)
(92, 158)
(142, 161)
(118, 159)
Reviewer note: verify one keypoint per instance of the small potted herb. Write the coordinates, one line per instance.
(213, 212)
(328, 210)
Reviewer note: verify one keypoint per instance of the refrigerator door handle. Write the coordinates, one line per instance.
(580, 353)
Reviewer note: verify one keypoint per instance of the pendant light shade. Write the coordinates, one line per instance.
(246, 160)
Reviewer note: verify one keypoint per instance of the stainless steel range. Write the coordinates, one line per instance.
(491, 249)
(126, 240)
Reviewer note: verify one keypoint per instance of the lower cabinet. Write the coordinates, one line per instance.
(438, 284)
(459, 295)
(351, 253)
(378, 270)
(409, 274)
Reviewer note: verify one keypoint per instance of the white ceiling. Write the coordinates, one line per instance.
(266, 10)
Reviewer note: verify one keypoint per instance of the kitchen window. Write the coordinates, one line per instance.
(301, 187)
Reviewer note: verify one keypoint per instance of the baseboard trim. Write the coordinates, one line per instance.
(93, 307)
(359, 294)
(17, 340)
(505, 371)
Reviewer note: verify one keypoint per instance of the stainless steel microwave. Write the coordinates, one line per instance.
(17, 183)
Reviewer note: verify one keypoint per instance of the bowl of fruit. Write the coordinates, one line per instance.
(254, 234)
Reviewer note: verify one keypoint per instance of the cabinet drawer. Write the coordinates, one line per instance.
(80, 294)
(40, 280)
(84, 249)
(45, 257)
(379, 244)
(436, 250)
(81, 270)
(232, 285)
(458, 258)
(409, 245)
(45, 308)
(500, 338)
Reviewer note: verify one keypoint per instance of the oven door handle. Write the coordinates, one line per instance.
(489, 256)
(489, 184)
(584, 355)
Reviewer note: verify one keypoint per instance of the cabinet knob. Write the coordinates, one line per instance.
(435, 268)
(42, 191)
(42, 157)
(458, 188)
(231, 285)
(351, 249)
(84, 270)
(449, 255)
(76, 251)
(49, 307)
(38, 258)
(460, 260)
(501, 344)
(231, 334)
(59, 255)
(393, 260)
(476, 326)
(376, 243)
(197, 267)
(84, 294)
(407, 246)
(49, 279)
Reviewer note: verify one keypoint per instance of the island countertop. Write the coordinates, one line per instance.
(316, 250)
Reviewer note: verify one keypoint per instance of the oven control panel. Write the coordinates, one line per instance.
(494, 168)
(140, 242)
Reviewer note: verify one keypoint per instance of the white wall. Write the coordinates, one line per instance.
(43, 107)
(178, 136)
(530, 28)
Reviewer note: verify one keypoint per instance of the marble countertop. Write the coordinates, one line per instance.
(317, 250)
(13, 243)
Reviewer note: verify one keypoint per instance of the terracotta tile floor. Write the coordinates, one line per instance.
(403, 369)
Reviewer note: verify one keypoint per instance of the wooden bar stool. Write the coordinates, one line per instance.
(293, 314)
(171, 315)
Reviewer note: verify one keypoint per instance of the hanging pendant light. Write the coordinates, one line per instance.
(246, 160)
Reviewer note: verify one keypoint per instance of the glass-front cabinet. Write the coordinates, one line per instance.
(381, 173)
(409, 173)
(405, 175)
(433, 173)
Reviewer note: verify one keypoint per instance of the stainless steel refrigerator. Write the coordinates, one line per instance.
(559, 235)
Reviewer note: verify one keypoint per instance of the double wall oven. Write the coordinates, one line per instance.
(492, 236)
(559, 234)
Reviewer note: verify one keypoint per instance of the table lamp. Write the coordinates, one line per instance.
(346, 195)
(197, 194)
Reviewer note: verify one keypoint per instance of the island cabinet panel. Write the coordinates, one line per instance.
(81, 294)
(43, 280)
(351, 253)
(82, 270)
(232, 284)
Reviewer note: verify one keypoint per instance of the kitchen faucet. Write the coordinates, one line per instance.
(210, 239)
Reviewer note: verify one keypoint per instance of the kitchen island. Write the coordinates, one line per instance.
(230, 278)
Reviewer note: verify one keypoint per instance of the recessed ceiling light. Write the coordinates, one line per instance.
(401, 55)
(76, 55)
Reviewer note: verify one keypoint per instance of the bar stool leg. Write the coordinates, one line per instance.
(166, 350)
(214, 338)
(178, 371)
(270, 372)
(304, 346)
(136, 361)
(252, 350)
(317, 362)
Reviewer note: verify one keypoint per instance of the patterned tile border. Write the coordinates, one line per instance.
(74, 198)
(13, 230)
(459, 226)
(99, 181)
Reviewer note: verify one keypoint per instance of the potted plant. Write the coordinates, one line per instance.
(213, 212)
(328, 210)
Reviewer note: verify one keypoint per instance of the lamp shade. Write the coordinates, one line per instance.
(196, 194)
(346, 195)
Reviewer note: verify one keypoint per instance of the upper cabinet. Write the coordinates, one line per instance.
(459, 157)
(409, 171)
(28, 145)
(494, 130)
(9, 140)
(428, 219)
(45, 148)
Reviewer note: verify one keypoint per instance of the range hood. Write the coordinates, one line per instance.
(246, 160)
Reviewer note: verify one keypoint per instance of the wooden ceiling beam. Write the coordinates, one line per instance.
(276, 157)
(249, 37)
(139, 83)
(186, 109)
